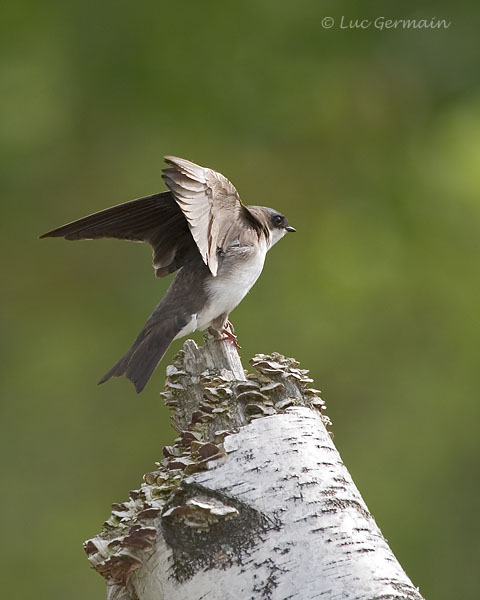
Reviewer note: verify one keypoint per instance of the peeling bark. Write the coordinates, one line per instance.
(252, 501)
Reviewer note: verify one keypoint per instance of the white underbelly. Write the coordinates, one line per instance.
(227, 290)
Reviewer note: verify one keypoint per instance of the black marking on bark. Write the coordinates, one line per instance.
(266, 587)
(226, 542)
(333, 505)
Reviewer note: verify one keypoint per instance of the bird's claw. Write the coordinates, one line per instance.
(229, 336)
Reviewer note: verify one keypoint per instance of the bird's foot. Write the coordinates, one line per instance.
(228, 335)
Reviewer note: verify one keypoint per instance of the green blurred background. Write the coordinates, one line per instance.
(368, 140)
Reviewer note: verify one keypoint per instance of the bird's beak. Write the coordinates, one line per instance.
(290, 229)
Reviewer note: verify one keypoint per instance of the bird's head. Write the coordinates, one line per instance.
(275, 222)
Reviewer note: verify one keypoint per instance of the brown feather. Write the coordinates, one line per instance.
(155, 219)
(211, 205)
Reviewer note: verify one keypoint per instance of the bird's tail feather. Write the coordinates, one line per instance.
(141, 360)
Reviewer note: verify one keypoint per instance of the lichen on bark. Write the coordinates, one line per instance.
(251, 500)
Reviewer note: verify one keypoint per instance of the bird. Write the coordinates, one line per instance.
(200, 228)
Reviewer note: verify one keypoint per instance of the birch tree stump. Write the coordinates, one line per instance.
(252, 501)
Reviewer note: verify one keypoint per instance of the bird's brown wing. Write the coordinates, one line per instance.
(211, 205)
(155, 219)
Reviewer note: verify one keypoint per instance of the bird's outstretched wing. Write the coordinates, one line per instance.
(201, 212)
(211, 205)
(155, 219)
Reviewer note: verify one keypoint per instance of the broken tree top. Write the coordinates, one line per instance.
(252, 499)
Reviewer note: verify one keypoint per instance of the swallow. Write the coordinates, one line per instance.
(200, 229)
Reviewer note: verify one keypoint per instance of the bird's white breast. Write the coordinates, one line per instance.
(236, 276)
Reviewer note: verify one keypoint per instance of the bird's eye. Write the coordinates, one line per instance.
(278, 219)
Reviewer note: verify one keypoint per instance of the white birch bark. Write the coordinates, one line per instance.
(251, 502)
